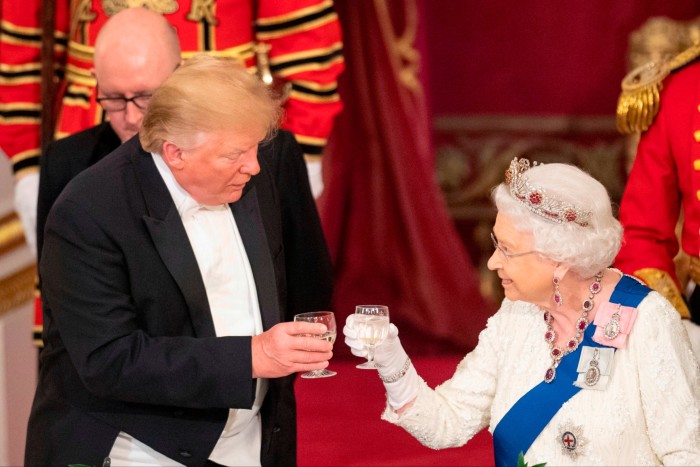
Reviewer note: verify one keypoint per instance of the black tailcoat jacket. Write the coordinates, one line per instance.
(129, 341)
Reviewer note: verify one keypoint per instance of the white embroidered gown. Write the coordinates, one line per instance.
(649, 414)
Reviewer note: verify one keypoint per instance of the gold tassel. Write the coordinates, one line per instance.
(639, 101)
(262, 57)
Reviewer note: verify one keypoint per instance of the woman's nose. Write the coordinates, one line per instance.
(495, 261)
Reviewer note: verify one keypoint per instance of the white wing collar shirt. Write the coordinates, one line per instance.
(233, 301)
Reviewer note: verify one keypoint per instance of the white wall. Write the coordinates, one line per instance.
(18, 356)
(17, 382)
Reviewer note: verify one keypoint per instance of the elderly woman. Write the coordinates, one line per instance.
(581, 365)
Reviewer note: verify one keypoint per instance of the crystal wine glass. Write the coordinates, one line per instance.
(373, 327)
(327, 318)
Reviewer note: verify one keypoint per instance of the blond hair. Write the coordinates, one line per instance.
(208, 94)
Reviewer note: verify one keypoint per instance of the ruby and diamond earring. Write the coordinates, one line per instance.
(557, 295)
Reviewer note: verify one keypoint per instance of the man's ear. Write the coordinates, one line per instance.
(172, 155)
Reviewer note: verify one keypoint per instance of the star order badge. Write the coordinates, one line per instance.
(571, 440)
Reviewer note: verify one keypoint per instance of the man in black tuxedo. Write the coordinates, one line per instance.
(168, 271)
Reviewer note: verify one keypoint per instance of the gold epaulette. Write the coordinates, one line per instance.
(639, 101)
(662, 282)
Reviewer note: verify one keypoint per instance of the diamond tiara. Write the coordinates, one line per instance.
(537, 200)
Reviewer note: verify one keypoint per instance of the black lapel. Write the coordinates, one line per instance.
(248, 217)
(170, 239)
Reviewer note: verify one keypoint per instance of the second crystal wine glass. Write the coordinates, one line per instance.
(373, 327)
(327, 318)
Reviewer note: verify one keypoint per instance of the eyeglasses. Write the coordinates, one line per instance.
(505, 254)
(117, 104)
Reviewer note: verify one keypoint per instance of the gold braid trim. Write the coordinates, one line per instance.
(661, 282)
(17, 289)
(639, 101)
(685, 57)
(11, 233)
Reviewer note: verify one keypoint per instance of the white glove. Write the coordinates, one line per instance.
(26, 198)
(395, 368)
(694, 335)
(315, 171)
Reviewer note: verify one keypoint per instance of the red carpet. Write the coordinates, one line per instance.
(339, 424)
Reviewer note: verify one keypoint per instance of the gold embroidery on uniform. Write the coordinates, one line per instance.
(211, 30)
(30, 108)
(81, 16)
(112, 7)
(84, 13)
(662, 282)
(20, 74)
(316, 60)
(295, 15)
(314, 99)
(242, 52)
(304, 91)
(81, 52)
(203, 10)
(20, 30)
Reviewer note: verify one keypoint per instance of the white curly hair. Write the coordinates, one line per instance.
(586, 250)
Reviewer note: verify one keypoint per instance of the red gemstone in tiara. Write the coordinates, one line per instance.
(535, 197)
(537, 200)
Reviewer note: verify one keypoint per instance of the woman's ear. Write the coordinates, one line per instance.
(172, 155)
(560, 270)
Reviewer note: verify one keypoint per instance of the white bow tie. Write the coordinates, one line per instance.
(191, 207)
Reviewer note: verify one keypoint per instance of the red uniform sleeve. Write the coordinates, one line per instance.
(305, 51)
(20, 78)
(20, 81)
(651, 204)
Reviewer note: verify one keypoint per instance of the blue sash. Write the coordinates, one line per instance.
(526, 419)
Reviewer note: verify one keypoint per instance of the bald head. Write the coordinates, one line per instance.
(135, 51)
(138, 33)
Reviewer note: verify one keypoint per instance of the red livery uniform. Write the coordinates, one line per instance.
(665, 177)
(305, 56)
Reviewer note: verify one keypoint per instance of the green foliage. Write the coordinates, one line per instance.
(522, 463)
